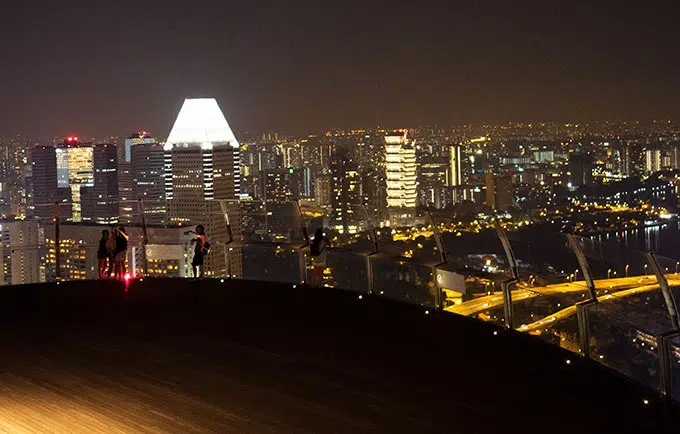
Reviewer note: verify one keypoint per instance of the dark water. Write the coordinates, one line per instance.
(663, 240)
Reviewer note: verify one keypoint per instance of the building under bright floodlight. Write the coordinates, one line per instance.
(400, 160)
(202, 172)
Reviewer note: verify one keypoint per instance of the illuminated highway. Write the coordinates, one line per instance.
(491, 301)
(535, 327)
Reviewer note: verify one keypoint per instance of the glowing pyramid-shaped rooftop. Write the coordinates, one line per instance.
(201, 122)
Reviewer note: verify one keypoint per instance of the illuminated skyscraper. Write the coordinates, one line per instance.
(21, 253)
(652, 160)
(100, 202)
(148, 180)
(201, 169)
(322, 190)
(80, 169)
(281, 184)
(455, 166)
(400, 160)
(127, 156)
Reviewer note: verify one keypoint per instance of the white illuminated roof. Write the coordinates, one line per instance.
(200, 121)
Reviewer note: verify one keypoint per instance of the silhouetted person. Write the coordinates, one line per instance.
(103, 255)
(319, 253)
(121, 252)
(111, 251)
(200, 250)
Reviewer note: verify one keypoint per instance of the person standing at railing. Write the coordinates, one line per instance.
(201, 248)
(103, 255)
(319, 252)
(111, 252)
(121, 252)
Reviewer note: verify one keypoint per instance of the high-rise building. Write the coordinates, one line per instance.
(400, 160)
(455, 166)
(129, 210)
(345, 192)
(202, 168)
(499, 191)
(80, 167)
(322, 190)
(544, 156)
(44, 181)
(100, 202)
(632, 160)
(580, 169)
(21, 253)
(652, 160)
(374, 193)
(675, 158)
(148, 157)
(281, 184)
(306, 179)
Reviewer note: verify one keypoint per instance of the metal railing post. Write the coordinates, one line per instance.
(582, 316)
(506, 286)
(57, 242)
(583, 264)
(583, 320)
(301, 249)
(671, 306)
(230, 239)
(369, 273)
(508, 311)
(302, 263)
(437, 238)
(145, 239)
(443, 257)
(305, 234)
(372, 229)
(664, 349)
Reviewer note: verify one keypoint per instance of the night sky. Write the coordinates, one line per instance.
(111, 68)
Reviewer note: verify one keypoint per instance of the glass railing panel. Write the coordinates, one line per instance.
(403, 280)
(270, 263)
(348, 227)
(265, 221)
(347, 270)
(674, 349)
(615, 267)
(623, 336)
(551, 285)
(476, 264)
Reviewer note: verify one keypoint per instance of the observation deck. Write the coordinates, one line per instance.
(175, 355)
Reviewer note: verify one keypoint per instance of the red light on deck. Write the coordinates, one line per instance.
(127, 276)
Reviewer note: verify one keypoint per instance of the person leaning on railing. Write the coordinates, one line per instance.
(319, 252)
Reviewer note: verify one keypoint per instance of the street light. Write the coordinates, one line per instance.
(627, 269)
(676, 267)
(609, 273)
(645, 269)
(576, 274)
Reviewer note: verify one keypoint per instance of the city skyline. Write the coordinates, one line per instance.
(298, 68)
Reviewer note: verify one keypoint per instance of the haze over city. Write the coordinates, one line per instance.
(296, 67)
